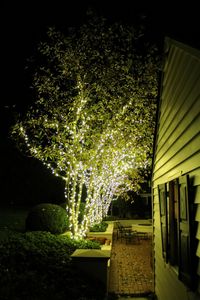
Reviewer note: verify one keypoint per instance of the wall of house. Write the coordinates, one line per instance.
(177, 152)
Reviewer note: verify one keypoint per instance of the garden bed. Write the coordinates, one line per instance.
(96, 263)
(105, 238)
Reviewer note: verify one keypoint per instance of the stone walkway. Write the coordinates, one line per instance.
(131, 273)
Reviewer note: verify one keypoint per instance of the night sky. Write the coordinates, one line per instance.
(25, 22)
(23, 25)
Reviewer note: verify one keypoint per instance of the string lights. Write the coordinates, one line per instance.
(90, 125)
(101, 175)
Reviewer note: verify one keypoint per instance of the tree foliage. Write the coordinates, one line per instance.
(93, 119)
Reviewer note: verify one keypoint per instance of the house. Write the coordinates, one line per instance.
(176, 176)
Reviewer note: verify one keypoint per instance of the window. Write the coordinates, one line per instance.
(175, 220)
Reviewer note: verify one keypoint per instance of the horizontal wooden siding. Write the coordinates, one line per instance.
(177, 151)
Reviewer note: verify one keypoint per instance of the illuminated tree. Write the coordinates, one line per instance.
(93, 120)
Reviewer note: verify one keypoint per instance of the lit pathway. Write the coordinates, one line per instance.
(130, 268)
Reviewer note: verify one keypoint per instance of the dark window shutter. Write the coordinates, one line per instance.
(173, 222)
(162, 193)
(185, 250)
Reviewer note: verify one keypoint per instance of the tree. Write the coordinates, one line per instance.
(93, 119)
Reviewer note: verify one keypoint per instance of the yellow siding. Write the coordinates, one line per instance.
(196, 178)
(181, 136)
(186, 107)
(198, 231)
(177, 151)
(173, 171)
(197, 218)
(197, 195)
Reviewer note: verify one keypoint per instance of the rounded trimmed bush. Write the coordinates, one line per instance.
(47, 217)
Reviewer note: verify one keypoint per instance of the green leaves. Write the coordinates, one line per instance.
(95, 106)
(37, 265)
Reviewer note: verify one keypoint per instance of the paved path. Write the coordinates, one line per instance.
(131, 273)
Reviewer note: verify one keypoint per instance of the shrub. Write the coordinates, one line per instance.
(47, 217)
(101, 227)
(38, 266)
(99, 240)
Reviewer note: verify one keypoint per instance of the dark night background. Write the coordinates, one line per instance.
(23, 23)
